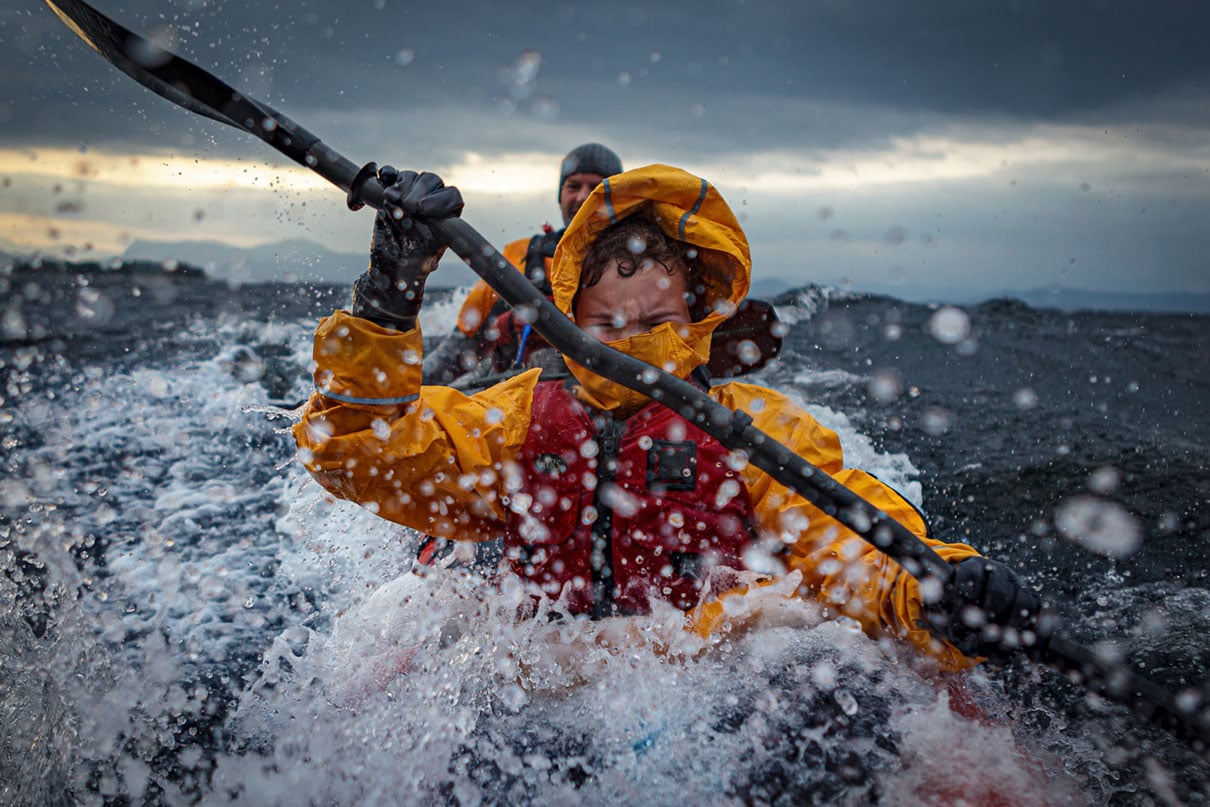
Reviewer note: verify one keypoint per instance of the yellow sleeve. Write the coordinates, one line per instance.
(430, 458)
(482, 298)
(839, 568)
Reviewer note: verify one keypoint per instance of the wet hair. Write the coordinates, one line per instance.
(635, 242)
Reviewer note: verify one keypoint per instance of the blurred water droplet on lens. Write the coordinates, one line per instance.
(885, 386)
(1104, 480)
(935, 421)
(152, 52)
(528, 64)
(1025, 398)
(949, 325)
(846, 701)
(1100, 526)
(545, 108)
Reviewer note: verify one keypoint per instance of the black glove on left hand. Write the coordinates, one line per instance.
(404, 250)
(987, 610)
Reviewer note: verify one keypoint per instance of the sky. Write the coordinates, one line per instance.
(973, 147)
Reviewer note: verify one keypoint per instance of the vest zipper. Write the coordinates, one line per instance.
(609, 439)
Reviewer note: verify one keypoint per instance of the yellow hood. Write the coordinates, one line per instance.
(685, 207)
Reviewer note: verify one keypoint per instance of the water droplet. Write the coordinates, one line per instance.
(846, 701)
(949, 325)
(748, 352)
(885, 386)
(545, 108)
(1103, 527)
(935, 421)
(1025, 398)
(527, 66)
(823, 675)
(1104, 480)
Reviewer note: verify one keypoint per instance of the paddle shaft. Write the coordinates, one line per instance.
(195, 89)
(188, 85)
(732, 429)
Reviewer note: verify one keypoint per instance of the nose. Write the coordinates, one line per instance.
(628, 320)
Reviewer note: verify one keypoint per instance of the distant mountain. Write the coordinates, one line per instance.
(1084, 299)
(308, 261)
(297, 259)
(1063, 299)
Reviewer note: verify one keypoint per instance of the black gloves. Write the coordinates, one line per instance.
(987, 611)
(404, 250)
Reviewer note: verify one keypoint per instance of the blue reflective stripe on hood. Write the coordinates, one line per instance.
(701, 197)
(613, 216)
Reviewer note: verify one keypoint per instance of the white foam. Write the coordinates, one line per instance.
(895, 469)
(439, 317)
(376, 684)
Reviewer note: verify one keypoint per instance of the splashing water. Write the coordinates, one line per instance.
(185, 617)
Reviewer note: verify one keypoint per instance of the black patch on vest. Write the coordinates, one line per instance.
(687, 565)
(672, 465)
(551, 464)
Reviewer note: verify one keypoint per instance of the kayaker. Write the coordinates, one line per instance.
(606, 500)
(480, 333)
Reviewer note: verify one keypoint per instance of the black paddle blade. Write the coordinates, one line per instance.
(747, 341)
(181, 82)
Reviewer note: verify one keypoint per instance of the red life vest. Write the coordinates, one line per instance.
(613, 514)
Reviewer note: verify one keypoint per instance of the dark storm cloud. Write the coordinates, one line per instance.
(1034, 141)
(715, 74)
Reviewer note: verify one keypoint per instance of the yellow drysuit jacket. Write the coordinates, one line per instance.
(480, 300)
(433, 458)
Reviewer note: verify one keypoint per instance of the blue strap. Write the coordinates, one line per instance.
(521, 346)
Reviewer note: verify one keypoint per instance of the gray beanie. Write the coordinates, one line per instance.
(590, 158)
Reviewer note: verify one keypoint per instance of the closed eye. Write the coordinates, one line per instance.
(617, 328)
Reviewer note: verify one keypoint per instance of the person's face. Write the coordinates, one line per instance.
(575, 190)
(618, 307)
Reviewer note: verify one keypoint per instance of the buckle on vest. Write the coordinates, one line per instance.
(686, 565)
(672, 465)
(550, 464)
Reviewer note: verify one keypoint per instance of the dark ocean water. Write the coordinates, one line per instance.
(186, 618)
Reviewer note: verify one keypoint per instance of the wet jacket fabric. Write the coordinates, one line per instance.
(481, 299)
(447, 463)
(530, 256)
(663, 510)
